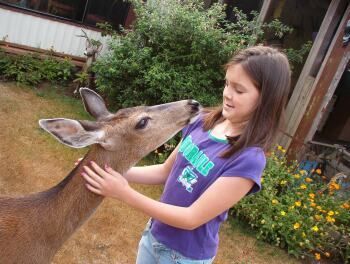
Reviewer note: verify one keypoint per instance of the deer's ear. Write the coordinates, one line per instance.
(72, 132)
(94, 103)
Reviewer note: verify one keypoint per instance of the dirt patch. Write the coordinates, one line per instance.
(32, 161)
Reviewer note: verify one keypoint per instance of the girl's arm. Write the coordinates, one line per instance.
(219, 197)
(215, 200)
(154, 174)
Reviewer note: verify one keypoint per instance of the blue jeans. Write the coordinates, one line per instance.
(153, 252)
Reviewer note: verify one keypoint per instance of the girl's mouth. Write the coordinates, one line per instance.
(229, 106)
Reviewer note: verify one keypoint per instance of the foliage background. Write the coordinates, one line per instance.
(176, 50)
(31, 69)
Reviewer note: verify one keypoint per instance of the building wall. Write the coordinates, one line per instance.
(38, 32)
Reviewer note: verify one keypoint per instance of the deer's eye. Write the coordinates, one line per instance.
(142, 123)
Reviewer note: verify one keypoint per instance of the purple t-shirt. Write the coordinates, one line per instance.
(196, 167)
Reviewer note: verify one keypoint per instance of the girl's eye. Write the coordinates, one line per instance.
(238, 90)
(142, 123)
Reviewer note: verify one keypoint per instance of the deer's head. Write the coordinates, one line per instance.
(135, 131)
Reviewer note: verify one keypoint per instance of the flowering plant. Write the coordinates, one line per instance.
(299, 211)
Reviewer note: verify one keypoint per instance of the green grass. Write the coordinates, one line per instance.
(56, 93)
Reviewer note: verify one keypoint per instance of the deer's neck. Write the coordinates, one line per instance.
(71, 203)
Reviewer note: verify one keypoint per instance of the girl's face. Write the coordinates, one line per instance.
(240, 96)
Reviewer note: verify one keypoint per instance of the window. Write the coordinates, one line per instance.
(111, 11)
(245, 6)
(88, 12)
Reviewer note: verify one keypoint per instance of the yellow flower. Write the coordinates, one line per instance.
(317, 256)
(334, 186)
(274, 201)
(318, 217)
(318, 171)
(308, 179)
(283, 213)
(319, 208)
(345, 206)
(296, 225)
(311, 195)
(312, 204)
(330, 213)
(315, 228)
(303, 187)
(330, 219)
(283, 182)
(303, 172)
(280, 147)
(262, 221)
(327, 254)
(297, 203)
(296, 176)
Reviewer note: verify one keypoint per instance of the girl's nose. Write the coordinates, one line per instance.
(227, 95)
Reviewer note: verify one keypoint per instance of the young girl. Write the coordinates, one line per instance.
(219, 160)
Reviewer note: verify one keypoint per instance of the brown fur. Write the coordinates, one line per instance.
(34, 227)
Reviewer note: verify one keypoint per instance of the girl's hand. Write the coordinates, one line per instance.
(106, 182)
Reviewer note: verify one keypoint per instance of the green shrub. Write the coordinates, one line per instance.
(56, 70)
(175, 51)
(162, 153)
(299, 211)
(5, 61)
(31, 69)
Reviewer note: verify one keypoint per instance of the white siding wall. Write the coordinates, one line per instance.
(43, 33)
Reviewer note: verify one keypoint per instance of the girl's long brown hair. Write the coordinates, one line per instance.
(269, 69)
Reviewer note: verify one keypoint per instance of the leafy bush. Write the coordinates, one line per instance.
(175, 51)
(56, 70)
(297, 56)
(299, 211)
(162, 153)
(5, 61)
(31, 69)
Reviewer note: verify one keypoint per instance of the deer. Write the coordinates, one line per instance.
(33, 227)
(92, 49)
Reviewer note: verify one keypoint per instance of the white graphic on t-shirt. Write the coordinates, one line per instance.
(188, 178)
(196, 157)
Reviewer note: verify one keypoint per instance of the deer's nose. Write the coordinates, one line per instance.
(194, 105)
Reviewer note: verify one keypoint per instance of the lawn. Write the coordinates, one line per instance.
(32, 161)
